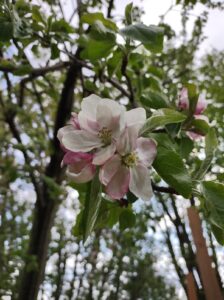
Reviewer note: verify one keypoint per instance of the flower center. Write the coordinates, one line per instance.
(105, 135)
(130, 159)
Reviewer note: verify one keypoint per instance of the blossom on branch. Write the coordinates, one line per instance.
(100, 121)
(103, 134)
(128, 168)
(201, 105)
(79, 164)
(185, 105)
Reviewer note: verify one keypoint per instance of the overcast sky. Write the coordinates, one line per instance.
(154, 8)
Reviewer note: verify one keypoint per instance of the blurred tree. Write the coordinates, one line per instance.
(53, 54)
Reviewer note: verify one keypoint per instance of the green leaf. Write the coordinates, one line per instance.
(200, 126)
(5, 63)
(92, 206)
(164, 140)
(211, 144)
(6, 30)
(218, 233)
(23, 70)
(186, 146)
(213, 193)
(55, 52)
(22, 7)
(37, 16)
(131, 197)
(114, 63)
(173, 129)
(169, 165)
(108, 215)
(150, 36)
(100, 33)
(154, 100)
(95, 50)
(193, 97)
(61, 26)
(54, 189)
(127, 219)
(77, 230)
(20, 26)
(98, 43)
(161, 118)
(91, 18)
(128, 13)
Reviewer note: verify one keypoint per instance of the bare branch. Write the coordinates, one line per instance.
(129, 83)
(163, 189)
(110, 7)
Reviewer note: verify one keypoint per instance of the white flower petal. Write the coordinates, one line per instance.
(114, 106)
(104, 115)
(146, 150)
(140, 183)
(135, 117)
(183, 99)
(108, 170)
(201, 105)
(118, 185)
(104, 154)
(127, 141)
(202, 117)
(87, 123)
(89, 105)
(62, 131)
(80, 140)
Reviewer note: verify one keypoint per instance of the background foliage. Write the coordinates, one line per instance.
(49, 60)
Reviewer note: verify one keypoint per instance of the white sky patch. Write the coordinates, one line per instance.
(154, 9)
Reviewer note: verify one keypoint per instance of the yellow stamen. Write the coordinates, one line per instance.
(105, 135)
(130, 159)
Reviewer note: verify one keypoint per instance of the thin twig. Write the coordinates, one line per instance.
(129, 83)
(163, 189)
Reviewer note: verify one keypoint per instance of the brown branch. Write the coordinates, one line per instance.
(191, 287)
(9, 116)
(37, 71)
(129, 83)
(110, 7)
(44, 214)
(214, 257)
(209, 279)
(116, 84)
(163, 189)
(178, 269)
(38, 97)
(104, 78)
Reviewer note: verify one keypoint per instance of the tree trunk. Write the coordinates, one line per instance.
(191, 287)
(46, 207)
(209, 279)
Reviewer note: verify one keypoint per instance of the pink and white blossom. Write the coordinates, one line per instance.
(79, 165)
(100, 123)
(128, 168)
(200, 107)
(184, 102)
(193, 134)
(104, 134)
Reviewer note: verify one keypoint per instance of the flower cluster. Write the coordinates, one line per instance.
(103, 134)
(199, 109)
